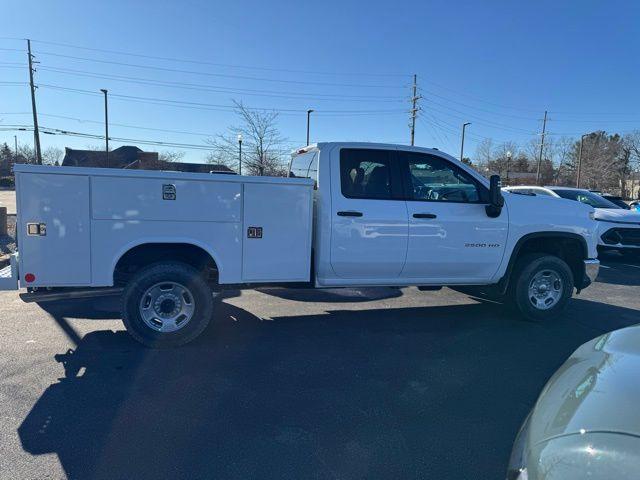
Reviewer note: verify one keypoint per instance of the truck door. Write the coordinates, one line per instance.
(369, 225)
(451, 238)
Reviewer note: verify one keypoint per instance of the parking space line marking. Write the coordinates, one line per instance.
(628, 265)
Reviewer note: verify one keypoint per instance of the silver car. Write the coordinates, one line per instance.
(586, 422)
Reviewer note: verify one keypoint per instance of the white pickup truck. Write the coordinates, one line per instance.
(350, 215)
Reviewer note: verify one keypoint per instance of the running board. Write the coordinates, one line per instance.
(50, 296)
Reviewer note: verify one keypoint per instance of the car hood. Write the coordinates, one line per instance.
(596, 390)
(619, 215)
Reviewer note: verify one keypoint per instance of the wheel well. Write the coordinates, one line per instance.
(150, 253)
(567, 247)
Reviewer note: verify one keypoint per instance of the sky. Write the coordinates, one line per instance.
(173, 69)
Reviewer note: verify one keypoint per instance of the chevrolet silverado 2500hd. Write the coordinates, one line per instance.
(349, 215)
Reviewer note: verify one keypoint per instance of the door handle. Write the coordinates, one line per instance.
(424, 215)
(349, 213)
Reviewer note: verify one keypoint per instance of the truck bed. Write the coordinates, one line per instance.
(75, 223)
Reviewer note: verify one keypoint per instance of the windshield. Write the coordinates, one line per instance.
(585, 196)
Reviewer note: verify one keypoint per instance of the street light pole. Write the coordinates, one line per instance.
(106, 125)
(508, 166)
(580, 160)
(239, 154)
(464, 126)
(308, 122)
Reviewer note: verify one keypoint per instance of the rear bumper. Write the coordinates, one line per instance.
(591, 269)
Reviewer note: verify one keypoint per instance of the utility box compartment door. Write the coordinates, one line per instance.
(277, 220)
(54, 235)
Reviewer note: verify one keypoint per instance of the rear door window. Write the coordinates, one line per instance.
(367, 173)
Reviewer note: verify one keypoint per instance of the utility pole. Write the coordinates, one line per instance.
(309, 112)
(106, 124)
(15, 149)
(464, 126)
(36, 131)
(414, 108)
(239, 154)
(544, 129)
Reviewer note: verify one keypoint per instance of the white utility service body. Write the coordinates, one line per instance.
(362, 215)
(93, 216)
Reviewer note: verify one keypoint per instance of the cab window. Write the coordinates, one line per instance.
(305, 165)
(431, 178)
(366, 173)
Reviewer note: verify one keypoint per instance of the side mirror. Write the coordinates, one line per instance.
(496, 200)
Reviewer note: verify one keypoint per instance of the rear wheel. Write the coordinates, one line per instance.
(542, 286)
(167, 304)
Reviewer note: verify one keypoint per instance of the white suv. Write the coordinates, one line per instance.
(618, 229)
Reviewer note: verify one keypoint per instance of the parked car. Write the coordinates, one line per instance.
(635, 205)
(618, 229)
(615, 199)
(586, 422)
(355, 215)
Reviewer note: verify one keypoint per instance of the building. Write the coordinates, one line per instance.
(632, 186)
(134, 158)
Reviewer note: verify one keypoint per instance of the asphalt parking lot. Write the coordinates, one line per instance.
(379, 383)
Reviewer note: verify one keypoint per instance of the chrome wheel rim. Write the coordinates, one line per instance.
(167, 307)
(545, 289)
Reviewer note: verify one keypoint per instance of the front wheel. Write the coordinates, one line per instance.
(542, 286)
(167, 304)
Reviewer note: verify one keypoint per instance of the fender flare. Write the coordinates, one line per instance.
(503, 283)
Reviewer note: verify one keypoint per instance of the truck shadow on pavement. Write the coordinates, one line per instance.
(430, 392)
(337, 295)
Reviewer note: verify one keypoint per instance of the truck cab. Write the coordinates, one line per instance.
(398, 215)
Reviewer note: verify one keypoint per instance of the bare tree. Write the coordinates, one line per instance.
(484, 153)
(262, 145)
(52, 156)
(26, 154)
(565, 163)
(170, 156)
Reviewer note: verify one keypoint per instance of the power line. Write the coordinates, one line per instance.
(488, 123)
(227, 65)
(480, 109)
(71, 133)
(222, 89)
(211, 74)
(82, 120)
(465, 94)
(163, 101)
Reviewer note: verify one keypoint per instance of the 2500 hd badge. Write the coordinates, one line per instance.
(482, 245)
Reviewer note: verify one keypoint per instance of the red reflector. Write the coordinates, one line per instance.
(29, 277)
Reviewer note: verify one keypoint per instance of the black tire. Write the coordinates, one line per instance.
(526, 270)
(182, 274)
